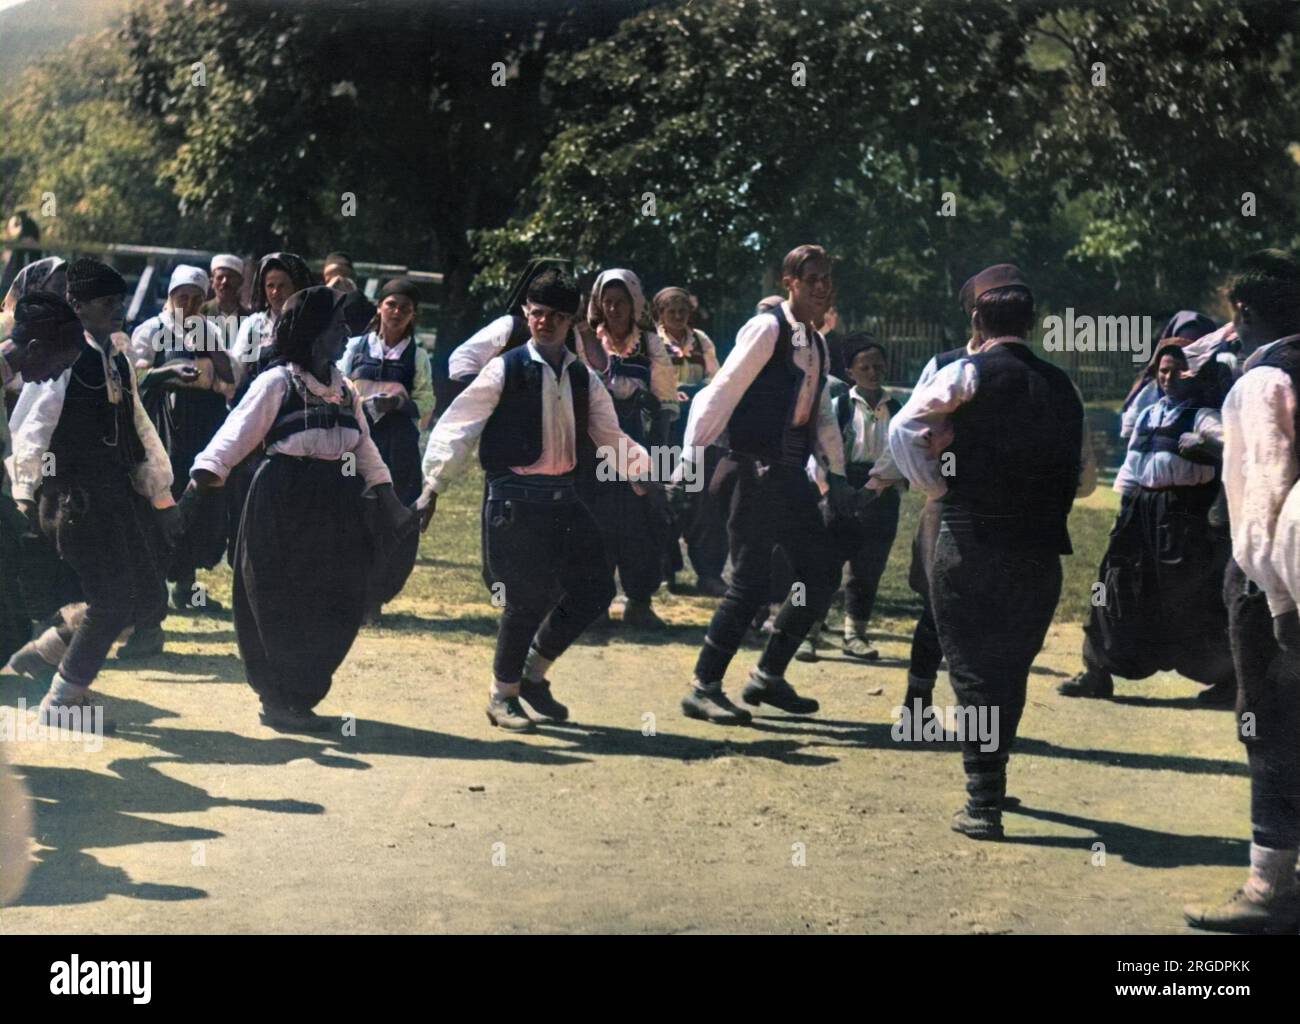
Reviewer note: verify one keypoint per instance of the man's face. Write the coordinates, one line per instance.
(1250, 331)
(548, 326)
(103, 315)
(226, 284)
(278, 287)
(812, 290)
(868, 369)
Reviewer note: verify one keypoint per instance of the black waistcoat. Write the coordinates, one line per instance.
(761, 425)
(1013, 466)
(93, 434)
(513, 435)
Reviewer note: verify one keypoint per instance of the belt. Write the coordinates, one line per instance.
(549, 490)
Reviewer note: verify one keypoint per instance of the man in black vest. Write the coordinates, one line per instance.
(541, 421)
(998, 437)
(86, 467)
(770, 396)
(1261, 466)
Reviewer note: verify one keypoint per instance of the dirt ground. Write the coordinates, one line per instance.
(195, 818)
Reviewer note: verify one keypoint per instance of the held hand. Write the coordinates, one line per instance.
(384, 404)
(1286, 630)
(425, 506)
(170, 524)
(841, 497)
(31, 513)
(1189, 441)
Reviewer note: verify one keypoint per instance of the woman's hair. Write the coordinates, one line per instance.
(665, 295)
(291, 263)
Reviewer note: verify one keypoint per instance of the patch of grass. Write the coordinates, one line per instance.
(445, 593)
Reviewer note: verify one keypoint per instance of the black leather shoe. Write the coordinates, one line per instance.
(285, 719)
(143, 643)
(713, 706)
(1220, 695)
(765, 690)
(1088, 684)
(979, 822)
(538, 697)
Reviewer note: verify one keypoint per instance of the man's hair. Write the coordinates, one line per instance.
(857, 343)
(1268, 281)
(1006, 312)
(799, 256)
(554, 288)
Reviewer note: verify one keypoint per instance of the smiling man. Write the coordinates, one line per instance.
(771, 397)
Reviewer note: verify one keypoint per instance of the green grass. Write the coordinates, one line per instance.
(446, 595)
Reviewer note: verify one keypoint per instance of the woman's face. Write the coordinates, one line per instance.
(278, 287)
(395, 313)
(676, 314)
(330, 343)
(616, 305)
(1169, 375)
(186, 301)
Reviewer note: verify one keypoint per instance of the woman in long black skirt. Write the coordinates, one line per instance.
(304, 552)
(391, 372)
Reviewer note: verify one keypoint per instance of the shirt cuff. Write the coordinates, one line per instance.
(210, 465)
(1280, 603)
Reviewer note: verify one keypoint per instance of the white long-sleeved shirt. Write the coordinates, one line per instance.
(922, 429)
(37, 414)
(1160, 470)
(256, 334)
(755, 343)
(1260, 470)
(453, 439)
(158, 333)
(422, 388)
(251, 420)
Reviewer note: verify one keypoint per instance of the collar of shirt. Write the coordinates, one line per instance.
(864, 401)
(789, 318)
(678, 350)
(535, 354)
(333, 391)
(378, 350)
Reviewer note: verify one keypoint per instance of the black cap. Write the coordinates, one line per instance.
(90, 279)
(1000, 275)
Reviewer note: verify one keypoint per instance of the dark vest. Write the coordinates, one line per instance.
(400, 370)
(301, 410)
(1016, 452)
(94, 435)
(1149, 438)
(513, 435)
(629, 410)
(761, 424)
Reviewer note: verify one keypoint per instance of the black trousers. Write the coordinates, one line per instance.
(865, 544)
(303, 559)
(705, 525)
(927, 653)
(634, 533)
(993, 606)
(549, 562)
(105, 531)
(768, 506)
(1268, 713)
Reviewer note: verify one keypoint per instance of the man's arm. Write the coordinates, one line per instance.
(469, 357)
(1260, 470)
(922, 428)
(459, 427)
(32, 425)
(715, 403)
(244, 428)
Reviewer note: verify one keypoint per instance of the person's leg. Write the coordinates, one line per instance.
(706, 532)
(91, 528)
(1268, 717)
(149, 559)
(751, 538)
(866, 566)
(642, 533)
(525, 541)
(993, 608)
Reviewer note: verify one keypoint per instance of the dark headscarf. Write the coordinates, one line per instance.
(47, 275)
(515, 303)
(1188, 325)
(291, 263)
(43, 316)
(305, 315)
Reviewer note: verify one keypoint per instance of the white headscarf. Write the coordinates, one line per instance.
(633, 285)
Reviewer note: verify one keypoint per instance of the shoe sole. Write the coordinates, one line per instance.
(700, 716)
(990, 835)
(801, 656)
(1232, 928)
(873, 656)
